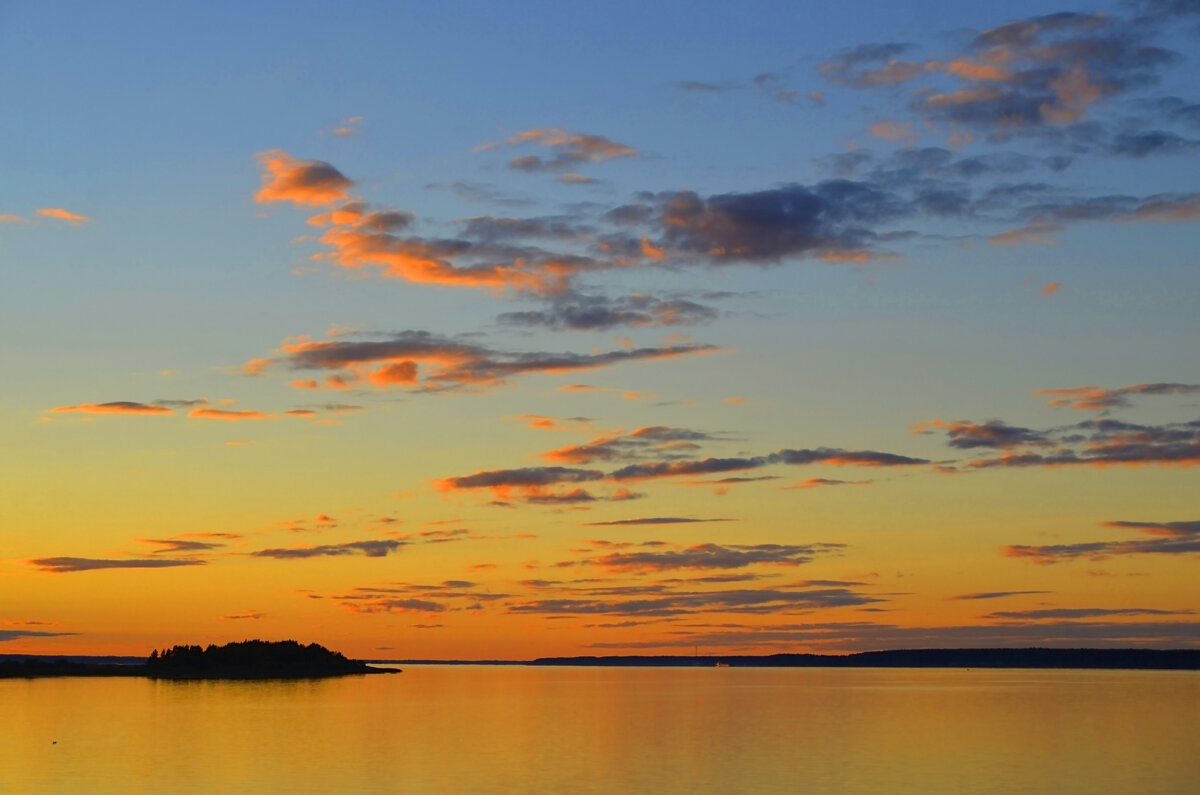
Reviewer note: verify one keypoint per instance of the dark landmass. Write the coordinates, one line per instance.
(450, 662)
(250, 659)
(1134, 659)
(256, 659)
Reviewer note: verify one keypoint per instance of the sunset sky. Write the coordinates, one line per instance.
(474, 330)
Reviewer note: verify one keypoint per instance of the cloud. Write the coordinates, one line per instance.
(822, 455)
(446, 364)
(182, 404)
(751, 601)
(376, 548)
(544, 423)
(229, 414)
(580, 312)
(532, 484)
(1165, 538)
(171, 546)
(997, 594)
(66, 564)
(58, 213)
(483, 194)
(1095, 398)
(652, 520)
(348, 126)
(815, 483)
(703, 87)
(871, 65)
(1100, 442)
(838, 457)
(1082, 612)
(830, 219)
(714, 556)
(652, 440)
(115, 407)
(247, 615)
(12, 218)
(967, 435)
(1050, 78)
(310, 183)
(1051, 288)
(396, 606)
(570, 149)
(17, 634)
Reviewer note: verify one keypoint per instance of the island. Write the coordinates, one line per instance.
(248, 659)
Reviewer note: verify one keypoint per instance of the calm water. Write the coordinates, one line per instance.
(586, 730)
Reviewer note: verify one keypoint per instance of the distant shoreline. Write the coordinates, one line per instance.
(33, 665)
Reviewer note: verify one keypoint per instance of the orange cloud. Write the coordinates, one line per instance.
(116, 407)
(448, 363)
(63, 215)
(1167, 210)
(306, 182)
(12, 218)
(570, 149)
(1075, 92)
(227, 414)
(1036, 233)
(305, 383)
(431, 262)
(348, 126)
(399, 373)
(1051, 288)
(890, 131)
(1096, 398)
(970, 70)
(255, 366)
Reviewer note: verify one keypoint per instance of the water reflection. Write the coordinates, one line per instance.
(516, 729)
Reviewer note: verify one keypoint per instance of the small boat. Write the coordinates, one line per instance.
(722, 665)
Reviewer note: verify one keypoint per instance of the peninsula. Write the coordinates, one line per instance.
(249, 659)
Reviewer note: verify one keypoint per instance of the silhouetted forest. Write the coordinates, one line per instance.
(249, 659)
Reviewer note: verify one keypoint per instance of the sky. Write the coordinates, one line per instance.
(497, 331)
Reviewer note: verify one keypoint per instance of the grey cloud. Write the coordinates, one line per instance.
(375, 548)
(581, 312)
(62, 565)
(17, 634)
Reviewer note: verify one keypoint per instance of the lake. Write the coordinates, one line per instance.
(516, 729)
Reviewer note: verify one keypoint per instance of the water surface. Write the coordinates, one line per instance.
(482, 729)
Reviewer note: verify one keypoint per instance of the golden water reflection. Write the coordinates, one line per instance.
(482, 729)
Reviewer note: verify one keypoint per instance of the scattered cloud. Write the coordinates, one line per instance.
(309, 183)
(570, 150)
(59, 214)
(1164, 538)
(714, 556)
(432, 363)
(652, 520)
(19, 634)
(997, 594)
(230, 415)
(115, 407)
(579, 312)
(374, 548)
(63, 565)
(1095, 398)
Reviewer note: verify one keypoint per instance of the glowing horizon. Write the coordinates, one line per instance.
(796, 335)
